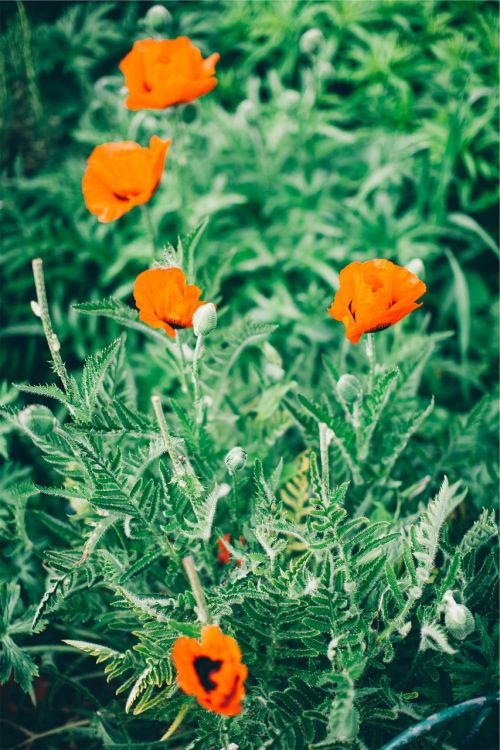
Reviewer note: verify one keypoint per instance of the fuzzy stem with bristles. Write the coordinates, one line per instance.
(194, 580)
(43, 312)
(167, 438)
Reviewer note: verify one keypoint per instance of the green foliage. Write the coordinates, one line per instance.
(337, 132)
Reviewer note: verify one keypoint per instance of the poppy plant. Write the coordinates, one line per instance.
(162, 72)
(122, 175)
(211, 670)
(374, 295)
(165, 300)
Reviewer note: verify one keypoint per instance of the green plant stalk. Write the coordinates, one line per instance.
(165, 433)
(149, 227)
(182, 363)
(195, 377)
(44, 314)
(370, 353)
(325, 469)
(194, 581)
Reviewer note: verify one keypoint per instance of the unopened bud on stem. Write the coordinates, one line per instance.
(349, 389)
(235, 460)
(457, 617)
(205, 320)
(158, 17)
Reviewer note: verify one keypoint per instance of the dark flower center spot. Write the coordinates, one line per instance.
(176, 324)
(120, 197)
(204, 666)
(352, 311)
(377, 328)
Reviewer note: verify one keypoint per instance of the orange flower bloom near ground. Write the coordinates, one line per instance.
(223, 555)
(162, 72)
(374, 295)
(211, 670)
(122, 175)
(165, 300)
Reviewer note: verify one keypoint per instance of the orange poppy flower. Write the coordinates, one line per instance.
(374, 295)
(122, 175)
(211, 670)
(164, 300)
(162, 72)
(224, 555)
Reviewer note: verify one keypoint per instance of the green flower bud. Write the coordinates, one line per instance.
(311, 40)
(349, 389)
(37, 419)
(158, 17)
(457, 617)
(235, 460)
(205, 319)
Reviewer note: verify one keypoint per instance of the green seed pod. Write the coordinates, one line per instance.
(457, 617)
(37, 419)
(349, 389)
(205, 319)
(158, 17)
(235, 460)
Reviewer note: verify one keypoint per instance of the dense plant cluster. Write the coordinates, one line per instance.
(329, 506)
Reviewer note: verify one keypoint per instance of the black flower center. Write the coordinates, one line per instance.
(204, 666)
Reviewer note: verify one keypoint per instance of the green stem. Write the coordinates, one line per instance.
(43, 312)
(398, 621)
(325, 468)
(182, 362)
(180, 132)
(57, 730)
(149, 227)
(194, 580)
(165, 433)
(370, 353)
(195, 376)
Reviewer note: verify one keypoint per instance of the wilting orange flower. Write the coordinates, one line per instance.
(162, 72)
(223, 555)
(211, 670)
(374, 295)
(165, 300)
(122, 175)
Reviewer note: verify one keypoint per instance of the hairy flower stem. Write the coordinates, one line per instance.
(149, 228)
(370, 353)
(176, 722)
(182, 363)
(180, 132)
(194, 580)
(44, 314)
(165, 433)
(325, 469)
(195, 376)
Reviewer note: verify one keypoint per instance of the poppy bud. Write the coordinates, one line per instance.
(349, 389)
(289, 99)
(416, 267)
(205, 319)
(37, 419)
(311, 40)
(457, 617)
(273, 363)
(158, 17)
(235, 460)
